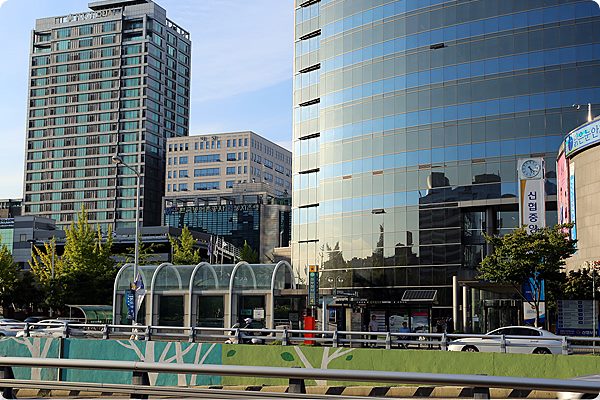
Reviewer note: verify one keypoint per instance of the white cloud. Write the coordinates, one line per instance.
(238, 47)
(2, 2)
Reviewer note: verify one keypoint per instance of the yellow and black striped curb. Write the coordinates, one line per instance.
(403, 391)
(367, 391)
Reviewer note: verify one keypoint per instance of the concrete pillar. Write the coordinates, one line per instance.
(186, 310)
(269, 311)
(465, 309)
(455, 320)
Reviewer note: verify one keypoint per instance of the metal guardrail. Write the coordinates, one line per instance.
(430, 341)
(297, 376)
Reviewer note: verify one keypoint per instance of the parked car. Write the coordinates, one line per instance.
(519, 339)
(51, 328)
(10, 327)
(35, 319)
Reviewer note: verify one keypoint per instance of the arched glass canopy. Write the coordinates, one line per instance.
(204, 279)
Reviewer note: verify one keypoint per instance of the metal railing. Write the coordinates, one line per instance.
(388, 340)
(297, 376)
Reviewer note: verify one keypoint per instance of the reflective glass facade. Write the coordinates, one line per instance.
(409, 118)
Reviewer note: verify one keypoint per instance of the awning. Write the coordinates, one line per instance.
(94, 313)
(419, 296)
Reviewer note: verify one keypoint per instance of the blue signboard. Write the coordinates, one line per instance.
(532, 287)
(582, 137)
(130, 302)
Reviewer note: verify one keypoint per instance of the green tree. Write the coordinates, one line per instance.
(185, 251)
(146, 253)
(519, 256)
(83, 274)
(578, 285)
(50, 272)
(248, 254)
(8, 275)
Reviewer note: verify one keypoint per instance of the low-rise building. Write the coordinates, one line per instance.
(235, 186)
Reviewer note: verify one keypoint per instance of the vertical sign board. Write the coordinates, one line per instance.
(313, 285)
(130, 302)
(562, 175)
(532, 206)
(572, 215)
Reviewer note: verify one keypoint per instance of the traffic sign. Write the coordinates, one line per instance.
(313, 285)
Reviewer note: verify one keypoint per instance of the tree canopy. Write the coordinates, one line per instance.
(185, 251)
(519, 256)
(248, 254)
(83, 274)
(8, 275)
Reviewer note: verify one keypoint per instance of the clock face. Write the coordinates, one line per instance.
(531, 168)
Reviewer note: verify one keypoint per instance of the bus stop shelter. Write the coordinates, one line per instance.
(207, 295)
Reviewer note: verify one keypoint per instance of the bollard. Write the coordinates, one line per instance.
(503, 344)
(139, 378)
(66, 330)
(6, 372)
(296, 385)
(444, 345)
(388, 341)
(565, 345)
(284, 337)
(148, 333)
(192, 337)
(335, 339)
(105, 331)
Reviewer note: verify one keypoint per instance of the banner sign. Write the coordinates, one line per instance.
(582, 137)
(313, 285)
(130, 303)
(572, 203)
(531, 204)
(529, 313)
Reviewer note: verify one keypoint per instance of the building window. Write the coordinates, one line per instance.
(183, 173)
(206, 172)
(206, 185)
(183, 187)
(229, 184)
(230, 171)
(231, 157)
(183, 160)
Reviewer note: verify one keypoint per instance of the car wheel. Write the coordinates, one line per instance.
(471, 349)
(542, 350)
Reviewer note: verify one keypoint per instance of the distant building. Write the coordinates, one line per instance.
(207, 164)
(247, 212)
(10, 208)
(114, 79)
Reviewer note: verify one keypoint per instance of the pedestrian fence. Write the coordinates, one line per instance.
(140, 381)
(285, 337)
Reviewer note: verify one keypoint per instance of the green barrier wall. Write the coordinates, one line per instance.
(524, 365)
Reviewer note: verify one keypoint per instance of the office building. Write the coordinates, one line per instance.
(578, 187)
(111, 80)
(235, 186)
(409, 119)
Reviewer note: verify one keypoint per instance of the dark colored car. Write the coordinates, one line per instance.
(35, 319)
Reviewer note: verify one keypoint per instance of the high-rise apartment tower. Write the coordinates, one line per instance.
(111, 80)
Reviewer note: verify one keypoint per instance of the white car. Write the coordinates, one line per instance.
(51, 328)
(518, 339)
(10, 327)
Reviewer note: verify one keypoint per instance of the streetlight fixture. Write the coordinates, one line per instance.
(589, 108)
(116, 159)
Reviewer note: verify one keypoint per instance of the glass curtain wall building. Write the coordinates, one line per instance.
(111, 80)
(409, 118)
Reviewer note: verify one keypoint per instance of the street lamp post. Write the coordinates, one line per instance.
(119, 161)
(589, 109)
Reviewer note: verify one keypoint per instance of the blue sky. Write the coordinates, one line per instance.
(241, 69)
